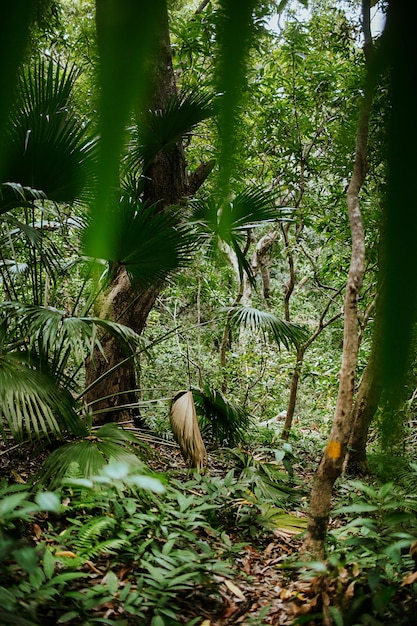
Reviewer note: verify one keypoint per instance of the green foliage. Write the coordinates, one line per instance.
(255, 497)
(36, 370)
(140, 524)
(108, 443)
(149, 243)
(283, 332)
(373, 550)
(161, 130)
(47, 149)
(221, 420)
(28, 575)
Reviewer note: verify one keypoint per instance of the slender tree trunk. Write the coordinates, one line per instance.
(260, 262)
(331, 464)
(295, 379)
(293, 393)
(166, 184)
(366, 402)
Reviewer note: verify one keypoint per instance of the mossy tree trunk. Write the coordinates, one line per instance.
(115, 397)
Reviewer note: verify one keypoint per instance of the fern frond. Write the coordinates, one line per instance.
(93, 530)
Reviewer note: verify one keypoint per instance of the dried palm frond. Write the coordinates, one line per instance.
(186, 431)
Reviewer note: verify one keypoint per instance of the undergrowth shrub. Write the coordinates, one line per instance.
(369, 572)
(123, 548)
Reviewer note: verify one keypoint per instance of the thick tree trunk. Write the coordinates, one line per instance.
(165, 184)
(331, 465)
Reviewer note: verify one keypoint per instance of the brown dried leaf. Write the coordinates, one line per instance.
(66, 553)
(409, 579)
(37, 530)
(234, 589)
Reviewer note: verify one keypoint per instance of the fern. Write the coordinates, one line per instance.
(109, 546)
(92, 531)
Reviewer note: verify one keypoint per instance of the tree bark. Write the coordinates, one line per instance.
(260, 261)
(115, 398)
(366, 402)
(331, 464)
(295, 379)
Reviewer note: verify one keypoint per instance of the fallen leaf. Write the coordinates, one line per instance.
(18, 477)
(206, 622)
(285, 594)
(37, 530)
(92, 567)
(66, 553)
(234, 589)
(409, 579)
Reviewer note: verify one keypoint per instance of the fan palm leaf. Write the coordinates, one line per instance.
(150, 244)
(58, 335)
(47, 144)
(220, 419)
(31, 403)
(251, 207)
(161, 130)
(109, 442)
(43, 253)
(283, 332)
(228, 222)
(14, 194)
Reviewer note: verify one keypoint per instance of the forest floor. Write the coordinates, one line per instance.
(265, 588)
(262, 591)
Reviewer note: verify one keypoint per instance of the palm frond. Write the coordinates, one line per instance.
(149, 244)
(283, 332)
(31, 403)
(161, 130)
(58, 334)
(91, 455)
(47, 143)
(186, 431)
(220, 419)
(43, 249)
(14, 194)
(250, 208)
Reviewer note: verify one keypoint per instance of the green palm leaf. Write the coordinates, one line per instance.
(46, 142)
(43, 250)
(110, 442)
(14, 194)
(31, 403)
(161, 130)
(149, 244)
(250, 208)
(57, 335)
(219, 418)
(283, 332)
(228, 222)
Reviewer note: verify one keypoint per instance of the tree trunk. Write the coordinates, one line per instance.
(166, 184)
(260, 261)
(293, 393)
(331, 464)
(366, 402)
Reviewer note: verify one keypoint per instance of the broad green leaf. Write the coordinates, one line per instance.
(48, 501)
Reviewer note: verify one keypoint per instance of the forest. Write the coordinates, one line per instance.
(208, 380)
